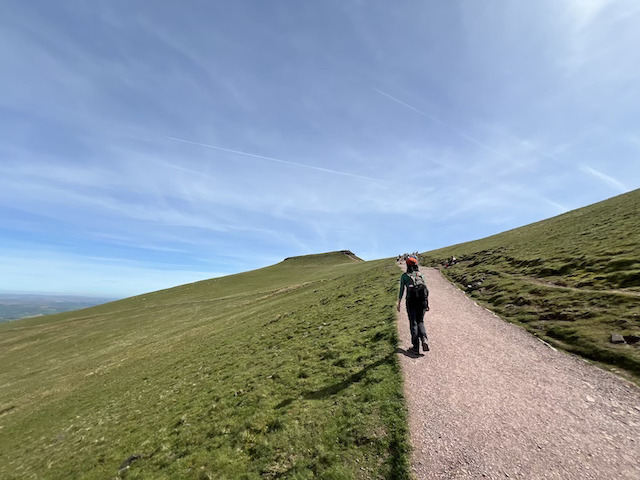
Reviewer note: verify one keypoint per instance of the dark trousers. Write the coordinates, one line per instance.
(416, 323)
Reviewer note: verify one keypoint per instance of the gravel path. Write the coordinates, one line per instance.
(491, 401)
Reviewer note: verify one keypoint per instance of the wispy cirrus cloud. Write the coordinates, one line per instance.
(275, 160)
(443, 123)
(607, 179)
(315, 127)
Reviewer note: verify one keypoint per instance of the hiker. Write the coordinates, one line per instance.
(417, 302)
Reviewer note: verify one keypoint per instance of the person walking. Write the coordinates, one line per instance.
(417, 302)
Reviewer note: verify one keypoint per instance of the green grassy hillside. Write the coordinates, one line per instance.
(573, 279)
(284, 372)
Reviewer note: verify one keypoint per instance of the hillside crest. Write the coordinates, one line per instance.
(329, 257)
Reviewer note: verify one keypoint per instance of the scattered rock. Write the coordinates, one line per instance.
(7, 410)
(520, 301)
(617, 338)
(129, 461)
(590, 399)
(474, 285)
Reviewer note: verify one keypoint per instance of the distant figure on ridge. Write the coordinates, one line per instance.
(417, 302)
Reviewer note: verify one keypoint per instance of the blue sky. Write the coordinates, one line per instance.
(148, 144)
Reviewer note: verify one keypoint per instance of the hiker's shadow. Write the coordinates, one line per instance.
(409, 354)
(338, 387)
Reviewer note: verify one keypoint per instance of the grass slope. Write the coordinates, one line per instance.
(573, 279)
(285, 372)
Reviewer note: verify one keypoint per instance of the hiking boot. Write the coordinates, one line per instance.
(425, 345)
(414, 350)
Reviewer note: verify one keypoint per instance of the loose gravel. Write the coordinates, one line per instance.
(489, 400)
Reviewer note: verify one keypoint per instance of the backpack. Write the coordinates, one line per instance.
(417, 291)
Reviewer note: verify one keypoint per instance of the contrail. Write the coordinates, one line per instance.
(277, 160)
(609, 180)
(436, 119)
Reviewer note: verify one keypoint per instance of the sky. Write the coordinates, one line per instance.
(148, 144)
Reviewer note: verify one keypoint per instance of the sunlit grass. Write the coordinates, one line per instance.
(572, 280)
(284, 372)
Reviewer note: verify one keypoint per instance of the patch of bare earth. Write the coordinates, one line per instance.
(491, 401)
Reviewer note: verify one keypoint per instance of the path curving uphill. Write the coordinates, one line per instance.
(491, 401)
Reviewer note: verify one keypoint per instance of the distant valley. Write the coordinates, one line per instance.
(16, 306)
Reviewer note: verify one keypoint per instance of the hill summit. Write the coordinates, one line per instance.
(340, 256)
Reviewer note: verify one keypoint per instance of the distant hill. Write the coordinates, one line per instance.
(15, 306)
(573, 279)
(288, 371)
(330, 258)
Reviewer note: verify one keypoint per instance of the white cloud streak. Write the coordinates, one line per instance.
(450, 127)
(277, 160)
(607, 179)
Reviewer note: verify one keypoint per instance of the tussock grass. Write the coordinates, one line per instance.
(284, 372)
(573, 279)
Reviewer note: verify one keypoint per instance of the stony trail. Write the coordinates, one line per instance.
(491, 401)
